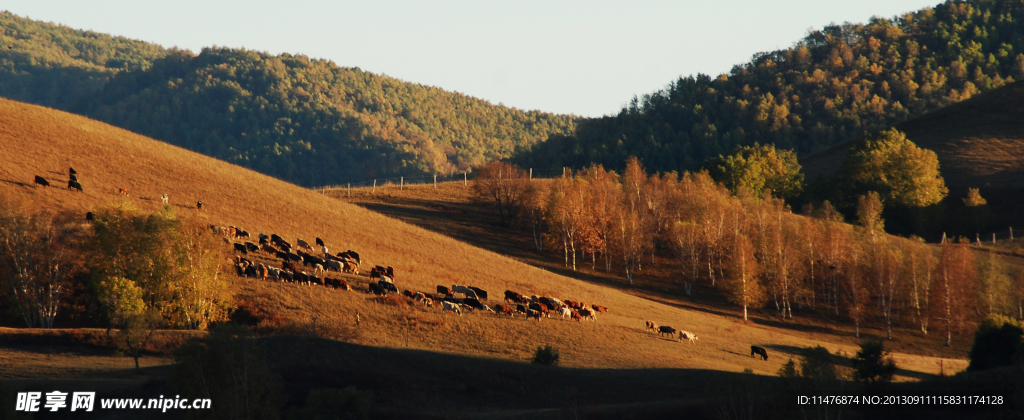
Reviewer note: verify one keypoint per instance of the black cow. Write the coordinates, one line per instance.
(320, 241)
(376, 289)
(72, 171)
(388, 286)
(759, 351)
(42, 181)
(281, 255)
(354, 256)
(251, 246)
(473, 303)
(75, 185)
(74, 178)
(666, 330)
(315, 280)
(286, 275)
(521, 308)
(294, 257)
(250, 271)
(89, 216)
(199, 205)
(264, 241)
(241, 248)
(480, 293)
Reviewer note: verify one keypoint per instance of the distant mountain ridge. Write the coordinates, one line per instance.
(833, 86)
(303, 120)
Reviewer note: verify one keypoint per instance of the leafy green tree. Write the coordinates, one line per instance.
(759, 169)
(871, 364)
(999, 341)
(893, 166)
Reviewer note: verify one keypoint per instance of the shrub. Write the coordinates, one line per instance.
(788, 370)
(871, 364)
(998, 342)
(546, 356)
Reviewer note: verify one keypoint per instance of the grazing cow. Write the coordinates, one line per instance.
(350, 267)
(475, 304)
(409, 294)
(687, 336)
(574, 315)
(122, 191)
(587, 313)
(441, 290)
(288, 265)
(294, 257)
(262, 271)
(505, 309)
(75, 185)
(268, 248)
(286, 276)
(343, 285)
(388, 286)
(163, 199)
(320, 242)
(250, 271)
(241, 248)
(318, 269)
(480, 293)
(304, 244)
(513, 297)
(89, 216)
(664, 329)
(251, 246)
(42, 181)
(521, 309)
(264, 237)
(572, 304)
(565, 312)
(464, 290)
(276, 240)
(71, 171)
(759, 351)
(274, 272)
(390, 271)
(199, 205)
(651, 326)
(313, 279)
(73, 177)
(243, 233)
(450, 306)
(376, 289)
(539, 308)
(545, 301)
(599, 308)
(334, 265)
(530, 313)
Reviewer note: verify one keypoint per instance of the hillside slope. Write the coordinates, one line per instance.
(308, 121)
(40, 141)
(979, 142)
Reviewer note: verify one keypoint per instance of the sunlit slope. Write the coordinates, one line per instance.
(44, 142)
(979, 142)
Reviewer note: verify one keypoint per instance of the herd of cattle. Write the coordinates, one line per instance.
(72, 180)
(532, 307)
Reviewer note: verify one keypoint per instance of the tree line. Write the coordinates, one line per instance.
(753, 249)
(307, 121)
(834, 85)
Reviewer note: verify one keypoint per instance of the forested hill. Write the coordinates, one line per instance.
(303, 120)
(832, 86)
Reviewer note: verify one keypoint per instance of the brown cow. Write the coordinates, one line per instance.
(122, 191)
(505, 309)
(575, 315)
(572, 304)
(600, 308)
(652, 326)
(586, 313)
(350, 267)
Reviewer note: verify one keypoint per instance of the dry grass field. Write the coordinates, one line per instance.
(44, 142)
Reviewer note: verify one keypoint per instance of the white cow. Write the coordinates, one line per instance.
(689, 336)
(450, 306)
(304, 244)
(464, 290)
(336, 265)
(163, 199)
(566, 312)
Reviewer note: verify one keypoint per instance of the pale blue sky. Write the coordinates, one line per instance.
(586, 58)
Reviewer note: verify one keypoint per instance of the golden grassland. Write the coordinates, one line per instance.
(44, 142)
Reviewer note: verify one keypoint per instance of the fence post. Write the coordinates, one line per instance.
(349, 189)
(977, 238)
(563, 171)
(435, 181)
(375, 190)
(1011, 233)
(465, 179)
(943, 238)
(993, 238)
(531, 174)
(401, 185)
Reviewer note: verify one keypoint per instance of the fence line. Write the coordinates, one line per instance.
(401, 181)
